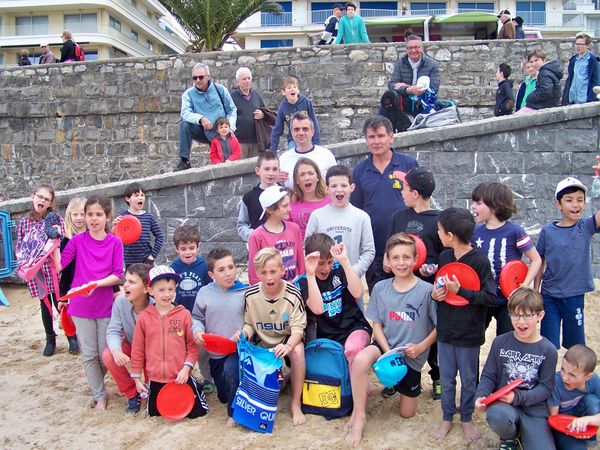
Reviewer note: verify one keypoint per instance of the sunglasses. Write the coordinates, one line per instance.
(199, 77)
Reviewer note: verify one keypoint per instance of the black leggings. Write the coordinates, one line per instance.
(46, 316)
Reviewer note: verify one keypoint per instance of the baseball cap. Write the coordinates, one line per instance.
(44, 44)
(519, 20)
(421, 180)
(270, 196)
(162, 273)
(504, 11)
(567, 183)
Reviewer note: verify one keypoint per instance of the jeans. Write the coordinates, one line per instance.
(189, 132)
(453, 360)
(226, 375)
(508, 422)
(569, 310)
(589, 405)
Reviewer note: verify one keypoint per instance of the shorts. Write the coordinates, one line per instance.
(410, 386)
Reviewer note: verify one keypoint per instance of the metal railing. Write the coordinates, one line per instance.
(283, 19)
(365, 12)
(468, 10)
(533, 17)
(319, 16)
(429, 12)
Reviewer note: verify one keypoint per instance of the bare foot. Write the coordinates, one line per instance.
(355, 429)
(441, 432)
(100, 405)
(231, 423)
(298, 418)
(471, 433)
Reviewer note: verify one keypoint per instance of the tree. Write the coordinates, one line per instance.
(211, 22)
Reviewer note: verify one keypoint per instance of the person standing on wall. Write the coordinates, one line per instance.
(583, 73)
(67, 51)
(352, 28)
(507, 31)
(331, 26)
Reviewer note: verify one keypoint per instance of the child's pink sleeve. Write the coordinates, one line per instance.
(253, 249)
(138, 360)
(300, 269)
(215, 157)
(193, 351)
(236, 149)
(117, 262)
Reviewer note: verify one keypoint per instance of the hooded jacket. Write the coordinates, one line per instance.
(547, 89)
(163, 344)
(505, 98)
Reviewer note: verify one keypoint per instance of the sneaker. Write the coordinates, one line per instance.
(437, 390)
(134, 404)
(388, 392)
(183, 165)
(510, 444)
(208, 387)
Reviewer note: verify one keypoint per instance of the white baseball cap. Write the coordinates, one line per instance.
(44, 44)
(567, 183)
(270, 196)
(161, 273)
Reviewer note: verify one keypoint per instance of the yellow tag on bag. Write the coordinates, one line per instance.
(321, 395)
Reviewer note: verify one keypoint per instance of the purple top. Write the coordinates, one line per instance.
(95, 260)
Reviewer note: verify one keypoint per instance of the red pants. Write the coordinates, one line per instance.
(120, 374)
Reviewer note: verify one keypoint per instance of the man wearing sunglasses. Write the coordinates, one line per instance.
(201, 106)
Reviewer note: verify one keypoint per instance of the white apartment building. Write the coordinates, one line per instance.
(104, 28)
(302, 20)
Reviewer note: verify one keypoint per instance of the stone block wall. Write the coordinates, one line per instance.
(531, 153)
(84, 124)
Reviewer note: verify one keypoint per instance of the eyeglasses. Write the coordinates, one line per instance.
(41, 197)
(516, 317)
(199, 77)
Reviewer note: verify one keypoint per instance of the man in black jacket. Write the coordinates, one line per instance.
(248, 103)
(407, 71)
(583, 73)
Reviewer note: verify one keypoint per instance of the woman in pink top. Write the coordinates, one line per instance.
(309, 192)
(98, 259)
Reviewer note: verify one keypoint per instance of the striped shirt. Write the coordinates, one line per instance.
(142, 248)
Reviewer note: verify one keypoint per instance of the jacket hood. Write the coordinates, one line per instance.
(509, 82)
(555, 67)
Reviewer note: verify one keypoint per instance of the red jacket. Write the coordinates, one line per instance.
(163, 344)
(216, 151)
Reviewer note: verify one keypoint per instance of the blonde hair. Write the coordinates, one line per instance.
(67, 35)
(265, 255)
(400, 239)
(75, 203)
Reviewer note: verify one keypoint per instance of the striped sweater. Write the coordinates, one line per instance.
(142, 248)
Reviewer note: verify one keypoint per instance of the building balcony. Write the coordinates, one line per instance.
(283, 19)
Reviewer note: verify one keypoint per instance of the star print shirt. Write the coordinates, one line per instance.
(406, 317)
(510, 359)
(502, 245)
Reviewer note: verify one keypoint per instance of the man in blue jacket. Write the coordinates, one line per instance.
(201, 106)
(583, 73)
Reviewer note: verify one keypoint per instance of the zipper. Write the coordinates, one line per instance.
(164, 353)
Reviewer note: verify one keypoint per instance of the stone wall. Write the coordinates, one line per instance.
(84, 124)
(531, 153)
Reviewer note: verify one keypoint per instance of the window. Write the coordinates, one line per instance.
(378, 9)
(277, 19)
(428, 8)
(320, 11)
(81, 23)
(468, 7)
(150, 45)
(31, 25)
(533, 13)
(91, 55)
(114, 23)
(275, 43)
(134, 36)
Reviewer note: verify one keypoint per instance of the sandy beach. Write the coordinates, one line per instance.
(46, 403)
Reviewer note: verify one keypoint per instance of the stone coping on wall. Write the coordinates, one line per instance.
(341, 150)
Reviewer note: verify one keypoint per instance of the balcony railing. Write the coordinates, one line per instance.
(364, 12)
(319, 16)
(283, 19)
(468, 10)
(532, 17)
(429, 12)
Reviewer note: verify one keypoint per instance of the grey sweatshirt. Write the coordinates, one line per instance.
(218, 311)
(122, 319)
(349, 225)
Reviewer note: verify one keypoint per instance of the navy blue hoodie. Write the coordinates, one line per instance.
(284, 114)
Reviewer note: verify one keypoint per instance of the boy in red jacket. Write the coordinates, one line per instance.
(224, 146)
(159, 326)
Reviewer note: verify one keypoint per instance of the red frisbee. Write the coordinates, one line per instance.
(175, 401)
(215, 343)
(129, 229)
(79, 291)
(502, 391)
(561, 422)
(467, 277)
(421, 251)
(512, 276)
(67, 323)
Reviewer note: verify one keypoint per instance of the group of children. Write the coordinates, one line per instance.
(306, 284)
